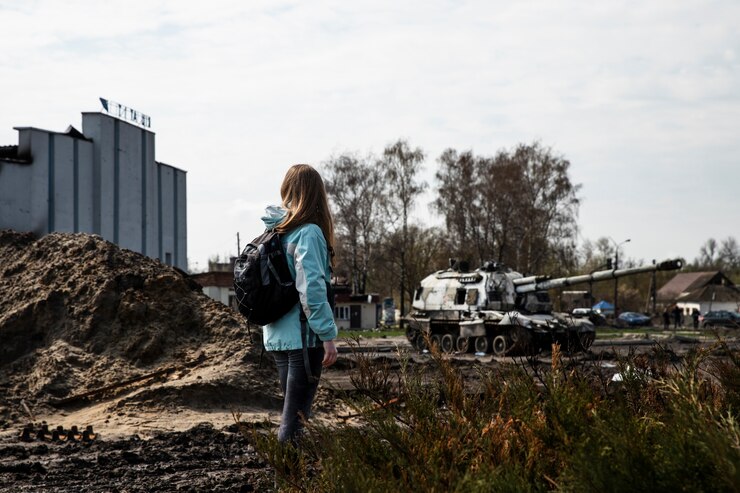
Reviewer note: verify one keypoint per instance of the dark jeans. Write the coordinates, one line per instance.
(298, 391)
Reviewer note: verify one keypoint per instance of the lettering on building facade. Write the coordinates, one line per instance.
(125, 113)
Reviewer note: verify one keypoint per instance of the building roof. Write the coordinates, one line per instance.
(711, 292)
(685, 282)
(70, 132)
(373, 298)
(10, 154)
(215, 279)
(169, 165)
(73, 132)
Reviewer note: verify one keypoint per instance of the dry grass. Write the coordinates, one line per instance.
(664, 427)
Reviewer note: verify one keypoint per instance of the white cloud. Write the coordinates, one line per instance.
(641, 97)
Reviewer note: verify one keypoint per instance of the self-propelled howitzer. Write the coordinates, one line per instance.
(496, 309)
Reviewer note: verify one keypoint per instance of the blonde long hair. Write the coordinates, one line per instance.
(304, 196)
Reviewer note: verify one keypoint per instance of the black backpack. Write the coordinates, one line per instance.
(265, 289)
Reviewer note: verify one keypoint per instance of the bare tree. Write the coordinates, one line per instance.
(427, 252)
(550, 204)
(708, 254)
(587, 255)
(500, 182)
(724, 255)
(605, 249)
(400, 165)
(355, 188)
(519, 208)
(457, 200)
(729, 254)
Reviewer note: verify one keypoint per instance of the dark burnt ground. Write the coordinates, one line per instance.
(197, 460)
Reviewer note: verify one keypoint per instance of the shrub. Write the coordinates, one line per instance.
(526, 427)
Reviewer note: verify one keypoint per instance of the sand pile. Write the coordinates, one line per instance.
(78, 313)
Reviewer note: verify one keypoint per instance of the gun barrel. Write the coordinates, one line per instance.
(529, 280)
(596, 276)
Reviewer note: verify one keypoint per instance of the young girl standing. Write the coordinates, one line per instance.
(302, 341)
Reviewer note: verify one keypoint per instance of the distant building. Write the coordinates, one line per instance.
(703, 291)
(359, 311)
(218, 282)
(103, 180)
(350, 311)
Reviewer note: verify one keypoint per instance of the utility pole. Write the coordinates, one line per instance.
(616, 282)
(653, 289)
(401, 321)
(616, 266)
(238, 245)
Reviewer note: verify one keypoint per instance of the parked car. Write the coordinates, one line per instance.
(596, 318)
(720, 318)
(633, 319)
(581, 312)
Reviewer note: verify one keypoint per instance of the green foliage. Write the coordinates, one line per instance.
(667, 426)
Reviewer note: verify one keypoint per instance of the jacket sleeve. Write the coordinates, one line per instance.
(311, 275)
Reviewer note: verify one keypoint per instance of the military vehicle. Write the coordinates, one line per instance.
(495, 309)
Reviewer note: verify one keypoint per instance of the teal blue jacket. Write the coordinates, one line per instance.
(308, 259)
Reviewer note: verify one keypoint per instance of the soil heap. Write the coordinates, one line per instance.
(79, 314)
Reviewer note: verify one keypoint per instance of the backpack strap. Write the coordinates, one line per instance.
(304, 342)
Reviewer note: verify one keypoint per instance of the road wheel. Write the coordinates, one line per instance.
(499, 345)
(419, 342)
(436, 340)
(586, 339)
(447, 343)
(521, 339)
(413, 336)
(481, 344)
(462, 344)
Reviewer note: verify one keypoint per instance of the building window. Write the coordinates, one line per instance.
(341, 312)
(168, 258)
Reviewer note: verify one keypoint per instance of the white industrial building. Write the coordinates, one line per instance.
(103, 180)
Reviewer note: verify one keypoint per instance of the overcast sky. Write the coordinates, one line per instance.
(643, 98)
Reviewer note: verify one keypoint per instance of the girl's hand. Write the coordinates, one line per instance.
(330, 354)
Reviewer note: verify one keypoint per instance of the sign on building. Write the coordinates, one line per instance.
(125, 113)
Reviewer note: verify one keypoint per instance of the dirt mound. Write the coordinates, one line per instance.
(78, 313)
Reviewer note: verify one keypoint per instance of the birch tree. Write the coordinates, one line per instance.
(401, 166)
(355, 189)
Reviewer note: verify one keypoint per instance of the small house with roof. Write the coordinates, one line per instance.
(703, 291)
(218, 282)
(356, 311)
